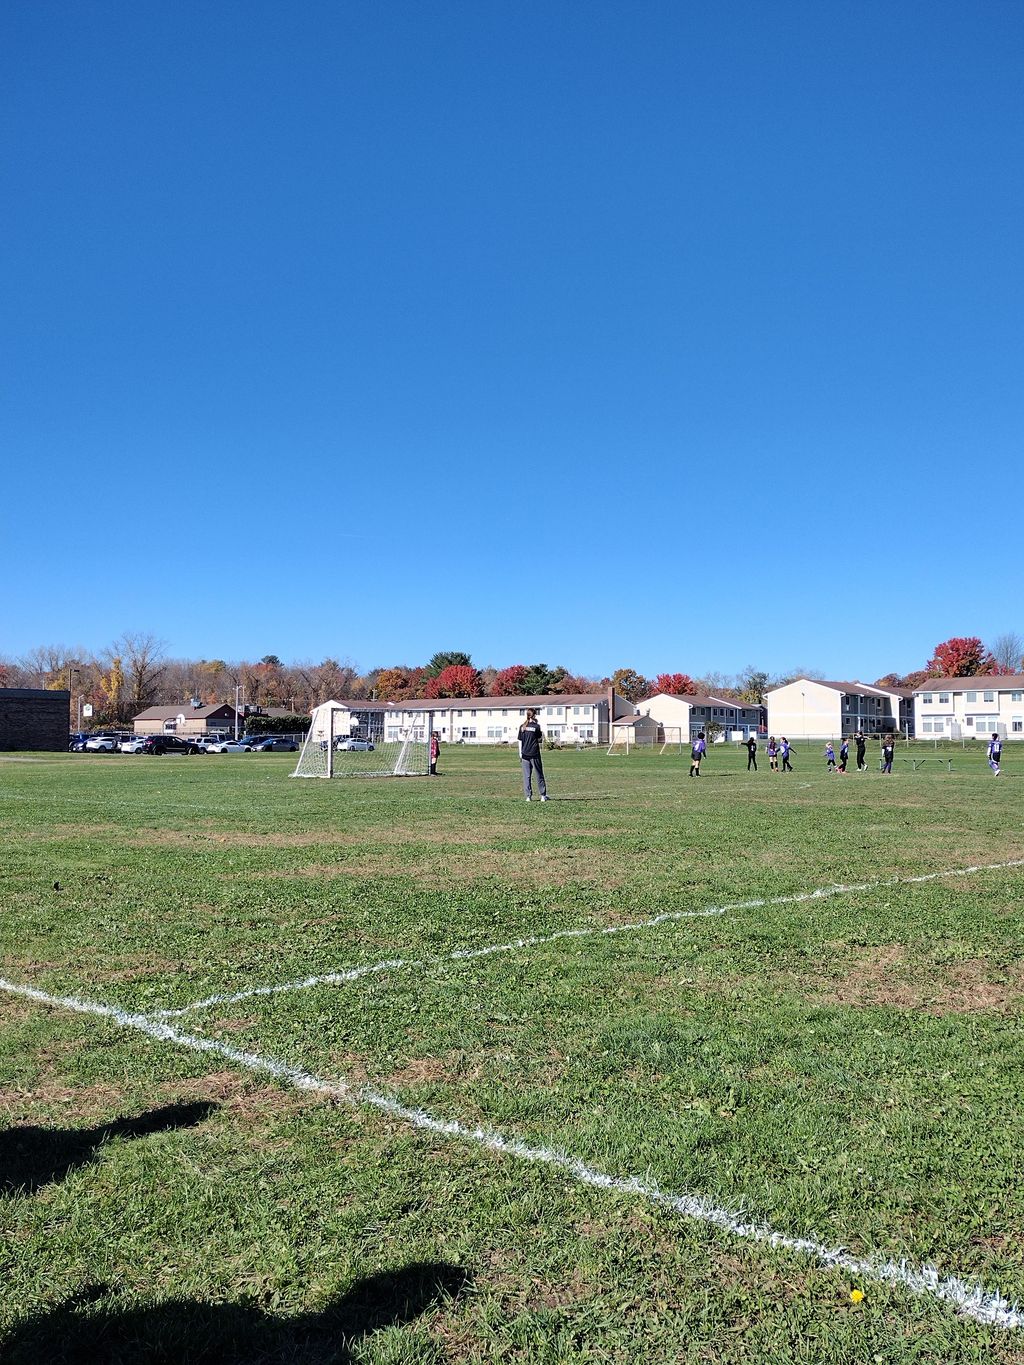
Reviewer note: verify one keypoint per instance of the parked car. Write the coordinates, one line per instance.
(350, 742)
(134, 745)
(76, 742)
(274, 744)
(245, 745)
(209, 743)
(102, 744)
(169, 744)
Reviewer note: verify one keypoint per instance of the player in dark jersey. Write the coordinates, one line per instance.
(531, 737)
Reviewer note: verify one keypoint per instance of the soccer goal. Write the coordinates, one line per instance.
(337, 747)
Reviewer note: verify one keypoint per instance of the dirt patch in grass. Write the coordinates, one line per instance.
(885, 975)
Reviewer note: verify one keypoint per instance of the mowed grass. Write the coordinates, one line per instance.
(846, 1068)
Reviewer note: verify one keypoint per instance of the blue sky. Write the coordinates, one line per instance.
(663, 335)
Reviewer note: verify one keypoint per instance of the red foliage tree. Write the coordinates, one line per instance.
(675, 684)
(576, 684)
(962, 656)
(457, 680)
(509, 681)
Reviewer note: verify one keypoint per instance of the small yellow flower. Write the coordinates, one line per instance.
(856, 1295)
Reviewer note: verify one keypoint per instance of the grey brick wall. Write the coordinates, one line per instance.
(34, 719)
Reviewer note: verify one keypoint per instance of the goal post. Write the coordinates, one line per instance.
(337, 746)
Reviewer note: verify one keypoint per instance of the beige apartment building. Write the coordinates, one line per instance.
(965, 708)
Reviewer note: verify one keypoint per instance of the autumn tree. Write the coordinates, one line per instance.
(391, 684)
(751, 686)
(457, 680)
(962, 656)
(629, 684)
(510, 682)
(675, 684)
(576, 683)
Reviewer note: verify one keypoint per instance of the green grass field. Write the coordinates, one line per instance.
(845, 1068)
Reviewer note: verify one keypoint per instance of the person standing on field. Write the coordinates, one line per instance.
(751, 753)
(531, 737)
(773, 754)
(995, 749)
(435, 751)
(697, 751)
(862, 744)
(830, 757)
(785, 751)
(888, 749)
(844, 754)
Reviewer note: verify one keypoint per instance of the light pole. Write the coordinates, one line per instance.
(70, 672)
(238, 689)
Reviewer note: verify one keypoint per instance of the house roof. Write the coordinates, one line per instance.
(183, 709)
(857, 689)
(990, 682)
(697, 699)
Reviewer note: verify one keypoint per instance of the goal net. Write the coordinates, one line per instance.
(338, 746)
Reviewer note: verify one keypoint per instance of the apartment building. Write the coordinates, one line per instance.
(965, 708)
(812, 708)
(582, 718)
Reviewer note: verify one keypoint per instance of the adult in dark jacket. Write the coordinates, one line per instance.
(751, 754)
(531, 737)
(862, 745)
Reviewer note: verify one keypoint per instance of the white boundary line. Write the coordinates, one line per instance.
(537, 940)
(972, 1300)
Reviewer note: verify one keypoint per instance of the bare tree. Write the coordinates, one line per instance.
(1008, 651)
(142, 661)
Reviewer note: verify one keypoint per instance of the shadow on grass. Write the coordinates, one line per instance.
(32, 1157)
(88, 1331)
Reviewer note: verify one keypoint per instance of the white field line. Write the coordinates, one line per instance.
(972, 1300)
(537, 940)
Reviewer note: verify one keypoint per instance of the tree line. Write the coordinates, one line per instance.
(134, 672)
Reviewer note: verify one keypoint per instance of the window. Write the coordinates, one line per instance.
(1017, 696)
(472, 713)
(943, 698)
(575, 710)
(549, 710)
(988, 696)
(927, 698)
(970, 696)
(495, 732)
(1017, 725)
(468, 732)
(586, 710)
(504, 713)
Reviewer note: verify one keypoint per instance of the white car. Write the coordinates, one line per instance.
(101, 744)
(349, 742)
(133, 745)
(232, 746)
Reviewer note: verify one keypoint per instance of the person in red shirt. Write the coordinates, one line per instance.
(435, 750)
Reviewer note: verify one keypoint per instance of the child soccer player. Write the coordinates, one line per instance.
(697, 751)
(784, 750)
(773, 754)
(995, 749)
(435, 751)
(830, 758)
(888, 749)
(844, 754)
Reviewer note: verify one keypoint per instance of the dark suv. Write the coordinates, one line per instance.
(169, 744)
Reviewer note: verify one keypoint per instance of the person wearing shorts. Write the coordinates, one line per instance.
(995, 749)
(697, 751)
(784, 750)
(773, 754)
(531, 737)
